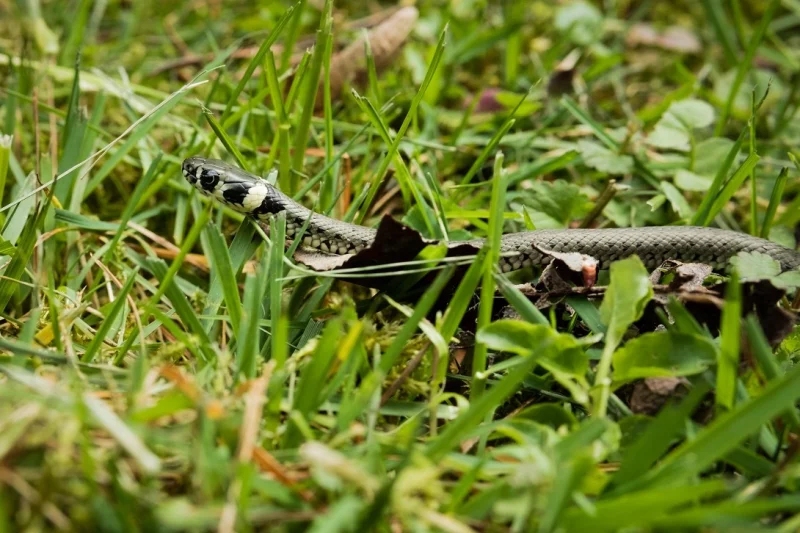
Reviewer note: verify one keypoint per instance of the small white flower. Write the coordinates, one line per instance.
(5, 140)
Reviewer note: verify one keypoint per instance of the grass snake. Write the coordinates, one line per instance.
(254, 196)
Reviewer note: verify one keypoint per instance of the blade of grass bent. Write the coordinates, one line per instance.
(389, 157)
(403, 174)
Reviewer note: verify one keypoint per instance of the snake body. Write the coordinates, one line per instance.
(249, 194)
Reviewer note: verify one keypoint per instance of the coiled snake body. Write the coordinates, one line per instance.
(249, 194)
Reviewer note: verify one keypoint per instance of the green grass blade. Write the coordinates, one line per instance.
(257, 59)
(730, 188)
(133, 202)
(242, 247)
(456, 430)
(715, 12)
(728, 362)
(22, 255)
(247, 348)
(745, 64)
(774, 201)
(657, 438)
(355, 406)
(105, 325)
(520, 302)
(301, 133)
(403, 174)
(222, 270)
(327, 193)
(279, 339)
(312, 380)
(226, 141)
(702, 213)
(391, 153)
(5, 154)
(133, 140)
(765, 359)
(497, 207)
(728, 430)
(183, 308)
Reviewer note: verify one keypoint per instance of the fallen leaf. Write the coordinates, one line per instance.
(651, 394)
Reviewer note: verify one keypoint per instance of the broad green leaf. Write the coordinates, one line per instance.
(689, 181)
(627, 295)
(708, 153)
(674, 130)
(787, 280)
(670, 134)
(560, 200)
(549, 414)
(582, 22)
(556, 350)
(761, 79)
(676, 200)
(663, 353)
(547, 345)
(601, 158)
(754, 266)
(693, 113)
(558, 353)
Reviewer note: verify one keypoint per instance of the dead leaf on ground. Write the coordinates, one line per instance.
(303, 42)
(562, 79)
(651, 394)
(578, 268)
(674, 38)
(687, 276)
(386, 40)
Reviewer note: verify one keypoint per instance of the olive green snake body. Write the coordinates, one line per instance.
(249, 194)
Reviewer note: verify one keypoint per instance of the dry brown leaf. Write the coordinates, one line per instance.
(675, 38)
(386, 40)
(650, 394)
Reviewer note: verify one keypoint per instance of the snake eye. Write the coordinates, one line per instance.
(209, 179)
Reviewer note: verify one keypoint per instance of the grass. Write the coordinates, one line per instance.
(165, 365)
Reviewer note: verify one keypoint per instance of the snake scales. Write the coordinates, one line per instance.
(247, 193)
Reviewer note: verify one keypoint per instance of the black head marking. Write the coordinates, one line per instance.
(269, 206)
(235, 193)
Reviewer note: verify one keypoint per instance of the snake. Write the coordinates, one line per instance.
(256, 197)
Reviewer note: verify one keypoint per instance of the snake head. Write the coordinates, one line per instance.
(240, 190)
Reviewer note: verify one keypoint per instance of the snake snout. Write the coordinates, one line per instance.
(204, 174)
(192, 168)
